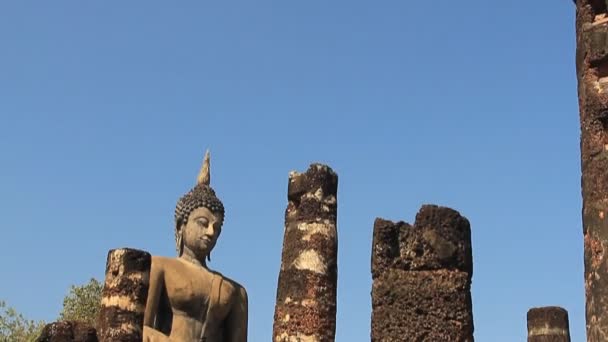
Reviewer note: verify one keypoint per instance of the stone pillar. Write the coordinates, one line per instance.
(123, 299)
(592, 74)
(67, 331)
(548, 324)
(422, 278)
(306, 295)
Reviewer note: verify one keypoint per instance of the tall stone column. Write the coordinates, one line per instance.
(548, 324)
(123, 299)
(422, 278)
(592, 74)
(306, 295)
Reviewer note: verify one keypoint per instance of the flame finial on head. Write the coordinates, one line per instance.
(204, 176)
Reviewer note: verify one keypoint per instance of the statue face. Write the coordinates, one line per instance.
(201, 231)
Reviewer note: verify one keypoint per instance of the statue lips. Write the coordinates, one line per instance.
(206, 240)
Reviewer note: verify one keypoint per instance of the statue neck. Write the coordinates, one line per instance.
(191, 257)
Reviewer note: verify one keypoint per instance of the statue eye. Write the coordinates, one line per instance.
(202, 223)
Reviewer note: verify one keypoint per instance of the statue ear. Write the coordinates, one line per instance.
(180, 240)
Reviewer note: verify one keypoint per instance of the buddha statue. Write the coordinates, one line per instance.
(186, 300)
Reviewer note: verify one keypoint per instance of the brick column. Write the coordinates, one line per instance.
(592, 74)
(123, 299)
(306, 295)
(548, 324)
(422, 278)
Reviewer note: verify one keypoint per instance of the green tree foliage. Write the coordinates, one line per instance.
(82, 303)
(14, 327)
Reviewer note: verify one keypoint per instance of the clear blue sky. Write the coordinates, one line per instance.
(107, 108)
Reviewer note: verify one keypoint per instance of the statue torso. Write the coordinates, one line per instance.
(190, 291)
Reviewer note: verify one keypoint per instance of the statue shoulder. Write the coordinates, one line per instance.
(238, 290)
(231, 289)
(162, 264)
(161, 261)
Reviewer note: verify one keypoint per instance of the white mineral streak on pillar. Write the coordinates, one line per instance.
(310, 260)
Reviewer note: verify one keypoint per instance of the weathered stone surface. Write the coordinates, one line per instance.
(124, 295)
(422, 306)
(306, 294)
(67, 331)
(422, 278)
(592, 73)
(440, 239)
(548, 324)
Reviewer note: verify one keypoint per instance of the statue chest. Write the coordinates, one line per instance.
(191, 293)
(187, 292)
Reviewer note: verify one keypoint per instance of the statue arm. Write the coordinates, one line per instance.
(236, 323)
(154, 292)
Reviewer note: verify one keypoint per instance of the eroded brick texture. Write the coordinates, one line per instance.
(592, 74)
(548, 324)
(422, 278)
(123, 299)
(67, 331)
(306, 295)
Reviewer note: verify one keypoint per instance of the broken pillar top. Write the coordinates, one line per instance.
(547, 317)
(318, 176)
(439, 239)
(548, 323)
(312, 195)
(131, 260)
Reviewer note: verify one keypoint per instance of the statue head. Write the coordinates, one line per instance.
(199, 211)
